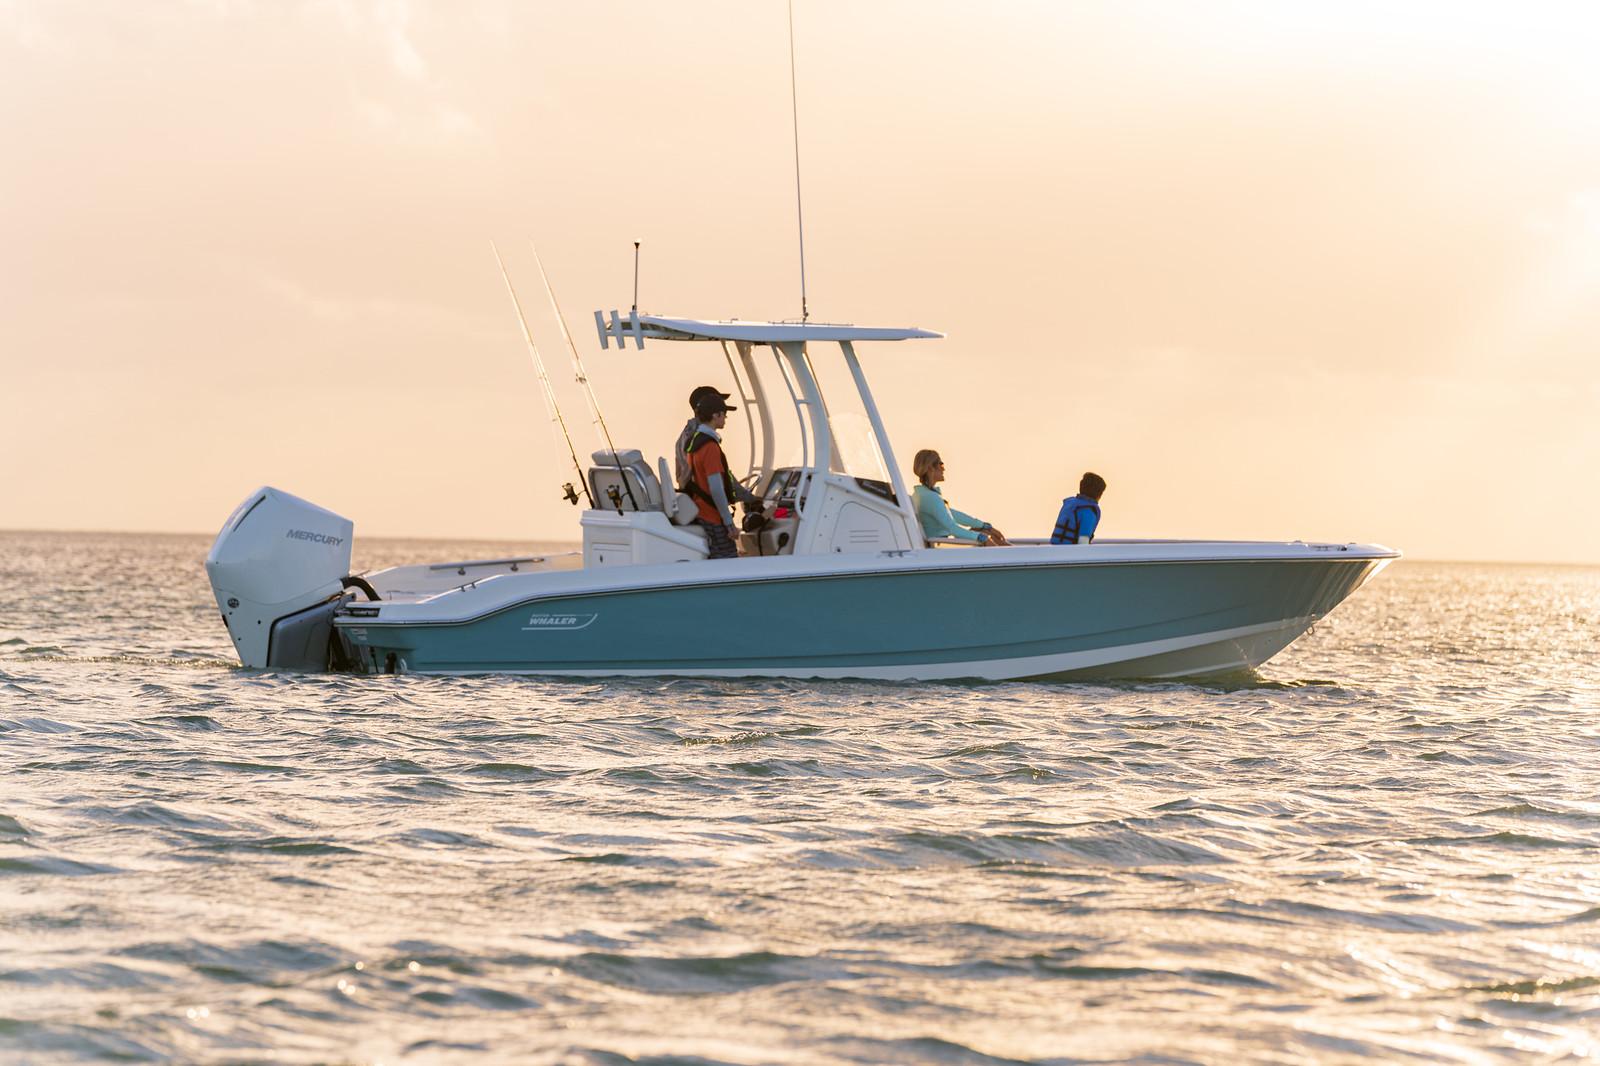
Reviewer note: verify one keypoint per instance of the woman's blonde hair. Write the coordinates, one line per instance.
(922, 464)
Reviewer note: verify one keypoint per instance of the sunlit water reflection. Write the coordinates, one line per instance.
(1385, 847)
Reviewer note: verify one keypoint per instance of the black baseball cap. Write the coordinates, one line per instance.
(712, 404)
(705, 391)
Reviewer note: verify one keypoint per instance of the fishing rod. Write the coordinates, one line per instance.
(583, 379)
(549, 391)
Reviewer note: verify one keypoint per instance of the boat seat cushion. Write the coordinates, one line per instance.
(624, 457)
(679, 506)
(633, 474)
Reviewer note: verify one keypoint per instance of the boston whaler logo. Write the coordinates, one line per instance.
(320, 538)
(559, 621)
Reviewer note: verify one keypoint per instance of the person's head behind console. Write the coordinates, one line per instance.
(1092, 485)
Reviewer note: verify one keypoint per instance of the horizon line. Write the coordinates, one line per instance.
(536, 540)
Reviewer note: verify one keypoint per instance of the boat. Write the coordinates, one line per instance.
(834, 579)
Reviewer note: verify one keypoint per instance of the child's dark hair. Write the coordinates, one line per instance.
(1092, 485)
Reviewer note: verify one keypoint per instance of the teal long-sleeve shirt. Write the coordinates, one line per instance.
(939, 519)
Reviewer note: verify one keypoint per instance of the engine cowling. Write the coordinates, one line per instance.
(277, 569)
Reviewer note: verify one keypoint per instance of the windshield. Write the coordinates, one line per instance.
(855, 446)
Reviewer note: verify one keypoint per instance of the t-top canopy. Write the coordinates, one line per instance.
(655, 327)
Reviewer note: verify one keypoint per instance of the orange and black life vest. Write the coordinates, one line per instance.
(694, 488)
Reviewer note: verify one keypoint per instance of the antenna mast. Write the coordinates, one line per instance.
(583, 379)
(800, 215)
(635, 277)
(544, 380)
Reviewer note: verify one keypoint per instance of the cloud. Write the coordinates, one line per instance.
(1584, 208)
(432, 125)
(1560, 287)
(413, 109)
(22, 23)
(394, 18)
(387, 21)
(407, 315)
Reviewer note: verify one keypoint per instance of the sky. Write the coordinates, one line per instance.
(1276, 270)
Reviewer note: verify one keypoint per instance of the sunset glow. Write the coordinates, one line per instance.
(1277, 270)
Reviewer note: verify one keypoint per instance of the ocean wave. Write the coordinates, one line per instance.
(1366, 852)
(53, 866)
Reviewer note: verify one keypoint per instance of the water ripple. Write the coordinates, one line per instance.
(1379, 849)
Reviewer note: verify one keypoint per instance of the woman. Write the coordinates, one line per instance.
(937, 517)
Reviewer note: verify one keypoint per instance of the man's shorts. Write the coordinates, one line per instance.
(718, 540)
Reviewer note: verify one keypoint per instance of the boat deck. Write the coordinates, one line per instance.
(424, 581)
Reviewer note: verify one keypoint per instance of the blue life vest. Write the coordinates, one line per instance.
(1072, 509)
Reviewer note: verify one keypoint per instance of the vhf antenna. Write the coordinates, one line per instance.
(635, 277)
(794, 111)
(583, 379)
(544, 380)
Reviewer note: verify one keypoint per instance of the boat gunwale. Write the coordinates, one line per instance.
(1374, 554)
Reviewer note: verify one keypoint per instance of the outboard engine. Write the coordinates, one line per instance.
(277, 569)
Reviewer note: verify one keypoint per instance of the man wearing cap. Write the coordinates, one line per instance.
(708, 483)
(680, 458)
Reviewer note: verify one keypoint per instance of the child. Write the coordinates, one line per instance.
(1080, 514)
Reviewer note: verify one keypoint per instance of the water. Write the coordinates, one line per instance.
(1387, 847)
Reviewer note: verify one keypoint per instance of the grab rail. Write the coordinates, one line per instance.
(512, 561)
